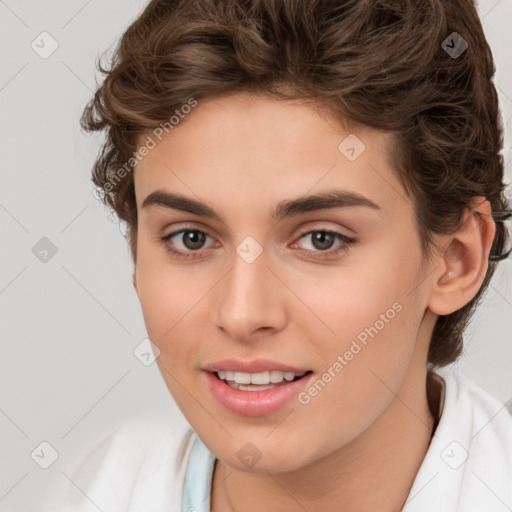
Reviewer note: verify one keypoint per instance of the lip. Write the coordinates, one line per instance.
(252, 366)
(255, 403)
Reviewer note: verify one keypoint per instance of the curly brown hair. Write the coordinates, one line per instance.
(383, 63)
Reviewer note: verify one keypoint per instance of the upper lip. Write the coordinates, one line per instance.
(252, 366)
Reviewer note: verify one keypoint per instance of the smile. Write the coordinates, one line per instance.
(256, 394)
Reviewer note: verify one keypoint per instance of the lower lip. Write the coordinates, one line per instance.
(255, 403)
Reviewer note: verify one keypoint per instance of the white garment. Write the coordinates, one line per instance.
(468, 467)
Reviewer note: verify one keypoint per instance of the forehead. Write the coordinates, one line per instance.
(254, 149)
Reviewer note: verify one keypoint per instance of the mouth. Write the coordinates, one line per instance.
(256, 394)
(258, 381)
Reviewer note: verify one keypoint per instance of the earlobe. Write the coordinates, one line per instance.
(464, 261)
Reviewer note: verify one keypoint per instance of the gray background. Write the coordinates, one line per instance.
(70, 324)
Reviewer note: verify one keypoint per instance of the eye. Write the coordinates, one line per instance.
(191, 239)
(323, 240)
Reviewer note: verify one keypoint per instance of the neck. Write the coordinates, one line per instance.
(375, 471)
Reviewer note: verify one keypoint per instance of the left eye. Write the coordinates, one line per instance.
(324, 239)
(193, 240)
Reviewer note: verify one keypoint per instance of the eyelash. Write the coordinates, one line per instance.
(348, 243)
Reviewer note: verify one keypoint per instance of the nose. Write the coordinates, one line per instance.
(249, 300)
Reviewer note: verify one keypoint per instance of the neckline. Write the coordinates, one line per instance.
(198, 478)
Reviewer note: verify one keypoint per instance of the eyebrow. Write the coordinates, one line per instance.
(287, 208)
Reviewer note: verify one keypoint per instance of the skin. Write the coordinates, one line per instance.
(370, 427)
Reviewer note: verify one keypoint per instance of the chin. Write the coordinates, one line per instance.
(256, 454)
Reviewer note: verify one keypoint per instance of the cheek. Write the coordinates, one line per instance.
(363, 369)
(166, 298)
(166, 311)
(366, 335)
(364, 299)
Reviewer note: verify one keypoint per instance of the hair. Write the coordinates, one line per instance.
(380, 63)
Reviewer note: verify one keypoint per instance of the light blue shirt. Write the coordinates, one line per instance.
(198, 479)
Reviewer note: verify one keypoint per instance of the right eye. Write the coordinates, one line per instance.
(191, 239)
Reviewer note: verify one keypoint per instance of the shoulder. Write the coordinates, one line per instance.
(468, 465)
(139, 466)
(487, 419)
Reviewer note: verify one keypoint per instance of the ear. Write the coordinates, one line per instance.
(463, 260)
(134, 281)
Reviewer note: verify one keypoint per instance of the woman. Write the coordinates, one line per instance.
(314, 198)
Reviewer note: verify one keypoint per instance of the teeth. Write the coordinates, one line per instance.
(262, 378)
(251, 387)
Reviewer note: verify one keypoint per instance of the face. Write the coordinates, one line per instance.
(333, 289)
